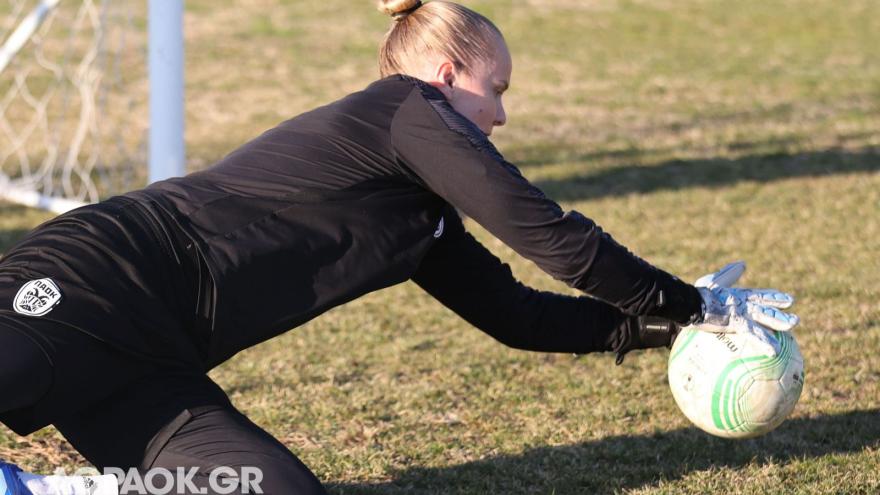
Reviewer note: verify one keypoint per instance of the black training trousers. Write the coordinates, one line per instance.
(151, 417)
(174, 420)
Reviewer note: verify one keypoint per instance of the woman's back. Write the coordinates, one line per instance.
(310, 214)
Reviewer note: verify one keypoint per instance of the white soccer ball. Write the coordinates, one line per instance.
(727, 387)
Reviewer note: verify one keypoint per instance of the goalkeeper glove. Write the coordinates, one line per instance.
(644, 332)
(749, 311)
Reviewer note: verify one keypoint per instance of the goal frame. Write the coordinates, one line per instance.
(166, 154)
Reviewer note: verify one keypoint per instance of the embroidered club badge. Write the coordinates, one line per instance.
(37, 297)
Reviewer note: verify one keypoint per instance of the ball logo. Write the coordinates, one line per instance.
(37, 297)
(727, 342)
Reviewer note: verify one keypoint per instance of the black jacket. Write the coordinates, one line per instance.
(362, 194)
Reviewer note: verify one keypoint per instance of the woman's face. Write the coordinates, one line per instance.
(477, 93)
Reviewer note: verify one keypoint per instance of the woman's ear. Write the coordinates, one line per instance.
(449, 75)
(444, 78)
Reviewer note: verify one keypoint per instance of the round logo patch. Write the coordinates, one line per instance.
(37, 297)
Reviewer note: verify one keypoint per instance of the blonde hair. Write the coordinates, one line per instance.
(434, 28)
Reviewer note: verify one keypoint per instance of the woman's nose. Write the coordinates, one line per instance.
(500, 116)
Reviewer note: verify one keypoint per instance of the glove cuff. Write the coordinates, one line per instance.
(679, 302)
(646, 332)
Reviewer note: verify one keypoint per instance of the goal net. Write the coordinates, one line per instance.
(74, 100)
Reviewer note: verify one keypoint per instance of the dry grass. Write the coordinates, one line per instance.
(696, 132)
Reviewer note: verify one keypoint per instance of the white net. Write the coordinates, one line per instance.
(73, 99)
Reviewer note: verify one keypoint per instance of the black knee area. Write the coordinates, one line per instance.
(174, 422)
(25, 370)
(225, 438)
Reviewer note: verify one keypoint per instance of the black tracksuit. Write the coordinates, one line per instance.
(349, 198)
(359, 195)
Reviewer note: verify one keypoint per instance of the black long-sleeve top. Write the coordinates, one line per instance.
(362, 194)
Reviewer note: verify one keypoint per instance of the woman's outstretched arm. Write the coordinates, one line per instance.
(463, 275)
(453, 158)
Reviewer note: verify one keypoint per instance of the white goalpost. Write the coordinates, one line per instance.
(167, 153)
(91, 91)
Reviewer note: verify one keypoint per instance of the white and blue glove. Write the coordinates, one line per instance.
(741, 310)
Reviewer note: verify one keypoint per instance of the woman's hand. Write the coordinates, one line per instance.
(749, 311)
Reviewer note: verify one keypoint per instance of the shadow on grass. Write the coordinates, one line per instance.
(640, 179)
(627, 462)
(709, 172)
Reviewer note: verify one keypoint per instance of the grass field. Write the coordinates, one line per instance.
(695, 131)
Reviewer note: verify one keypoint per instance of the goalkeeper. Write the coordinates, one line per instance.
(112, 315)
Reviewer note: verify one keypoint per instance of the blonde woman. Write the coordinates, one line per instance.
(144, 293)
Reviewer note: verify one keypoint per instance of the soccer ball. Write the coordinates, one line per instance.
(727, 387)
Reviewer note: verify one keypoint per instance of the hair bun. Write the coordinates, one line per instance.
(399, 9)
